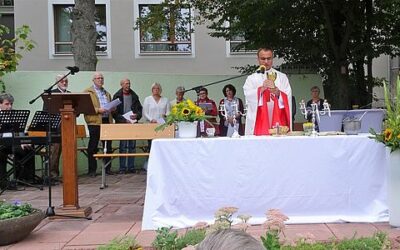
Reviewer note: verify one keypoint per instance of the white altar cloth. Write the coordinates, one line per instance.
(311, 180)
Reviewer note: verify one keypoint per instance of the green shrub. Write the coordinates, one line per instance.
(377, 242)
(165, 239)
(14, 210)
(121, 243)
(191, 237)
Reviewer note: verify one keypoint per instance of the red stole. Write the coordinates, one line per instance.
(281, 116)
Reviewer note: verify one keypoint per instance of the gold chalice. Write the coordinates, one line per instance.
(271, 76)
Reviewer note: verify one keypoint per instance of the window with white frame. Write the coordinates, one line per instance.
(62, 28)
(236, 46)
(171, 35)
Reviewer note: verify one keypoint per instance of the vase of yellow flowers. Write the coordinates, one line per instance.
(185, 115)
(390, 137)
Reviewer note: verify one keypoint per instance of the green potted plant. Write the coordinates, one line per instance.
(17, 220)
(390, 137)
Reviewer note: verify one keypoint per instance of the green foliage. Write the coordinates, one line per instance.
(377, 242)
(185, 111)
(271, 240)
(165, 239)
(121, 243)
(168, 239)
(9, 57)
(391, 135)
(14, 210)
(191, 237)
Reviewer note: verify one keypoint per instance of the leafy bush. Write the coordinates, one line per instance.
(14, 210)
(167, 239)
(191, 237)
(377, 242)
(121, 243)
(9, 57)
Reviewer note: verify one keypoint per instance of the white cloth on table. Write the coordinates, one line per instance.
(311, 180)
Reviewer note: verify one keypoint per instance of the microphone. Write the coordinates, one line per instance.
(73, 69)
(261, 69)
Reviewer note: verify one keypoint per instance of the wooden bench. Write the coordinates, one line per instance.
(81, 135)
(118, 132)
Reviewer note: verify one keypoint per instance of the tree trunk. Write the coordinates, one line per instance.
(358, 83)
(337, 87)
(370, 83)
(84, 35)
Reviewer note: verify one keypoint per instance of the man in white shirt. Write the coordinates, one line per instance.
(267, 99)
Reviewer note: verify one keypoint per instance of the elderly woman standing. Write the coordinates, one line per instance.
(155, 107)
(233, 105)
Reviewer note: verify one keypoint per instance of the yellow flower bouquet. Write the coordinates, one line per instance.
(391, 135)
(185, 111)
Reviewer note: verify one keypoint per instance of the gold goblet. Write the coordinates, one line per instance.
(271, 76)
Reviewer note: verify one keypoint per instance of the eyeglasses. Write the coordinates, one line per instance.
(97, 78)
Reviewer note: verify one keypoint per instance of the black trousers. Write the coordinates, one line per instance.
(24, 159)
(94, 138)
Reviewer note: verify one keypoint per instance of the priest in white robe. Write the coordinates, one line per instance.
(268, 100)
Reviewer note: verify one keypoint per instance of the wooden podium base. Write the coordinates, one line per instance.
(72, 213)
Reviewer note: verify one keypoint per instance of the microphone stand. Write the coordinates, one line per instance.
(197, 88)
(50, 209)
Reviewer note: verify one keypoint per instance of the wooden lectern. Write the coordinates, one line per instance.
(69, 105)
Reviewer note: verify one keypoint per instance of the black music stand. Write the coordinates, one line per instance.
(14, 121)
(40, 122)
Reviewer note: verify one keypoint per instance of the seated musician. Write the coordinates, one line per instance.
(27, 171)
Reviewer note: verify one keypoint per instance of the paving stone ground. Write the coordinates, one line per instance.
(118, 211)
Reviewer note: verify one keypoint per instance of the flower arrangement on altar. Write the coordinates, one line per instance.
(391, 134)
(185, 111)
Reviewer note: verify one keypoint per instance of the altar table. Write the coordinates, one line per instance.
(310, 179)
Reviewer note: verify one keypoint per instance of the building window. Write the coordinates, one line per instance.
(6, 2)
(7, 17)
(62, 28)
(236, 46)
(172, 34)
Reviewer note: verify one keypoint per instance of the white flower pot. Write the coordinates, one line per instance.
(394, 188)
(187, 129)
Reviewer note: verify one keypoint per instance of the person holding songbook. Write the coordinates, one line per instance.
(268, 97)
(129, 111)
(210, 110)
(100, 98)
